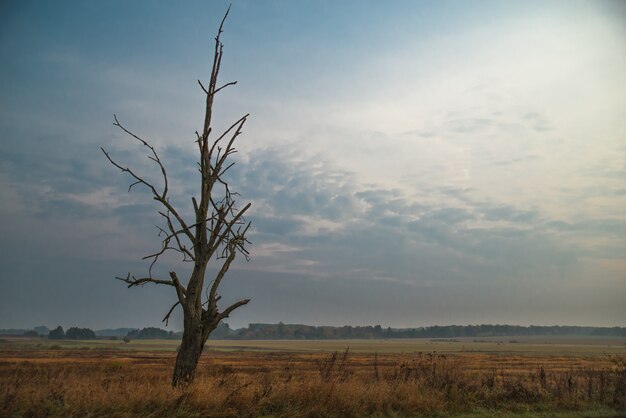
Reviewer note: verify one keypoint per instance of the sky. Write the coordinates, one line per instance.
(409, 163)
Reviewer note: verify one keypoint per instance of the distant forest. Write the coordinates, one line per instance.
(309, 332)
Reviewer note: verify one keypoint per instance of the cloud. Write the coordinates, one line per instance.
(398, 171)
(372, 233)
(508, 213)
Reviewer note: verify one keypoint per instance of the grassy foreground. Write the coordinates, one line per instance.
(66, 381)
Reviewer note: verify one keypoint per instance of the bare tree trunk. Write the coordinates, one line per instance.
(195, 336)
(188, 355)
(197, 326)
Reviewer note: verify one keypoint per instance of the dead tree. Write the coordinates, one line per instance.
(216, 234)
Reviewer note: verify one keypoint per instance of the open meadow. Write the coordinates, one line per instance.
(344, 378)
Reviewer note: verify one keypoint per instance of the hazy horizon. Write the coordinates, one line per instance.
(66, 327)
(408, 164)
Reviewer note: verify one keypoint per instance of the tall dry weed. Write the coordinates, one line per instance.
(300, 385)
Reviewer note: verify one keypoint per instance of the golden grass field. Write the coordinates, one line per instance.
(560, 377)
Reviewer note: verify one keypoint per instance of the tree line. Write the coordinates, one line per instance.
(309, 332)
(260, 331)
(75, 333)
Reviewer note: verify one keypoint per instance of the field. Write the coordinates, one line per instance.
(494, 377)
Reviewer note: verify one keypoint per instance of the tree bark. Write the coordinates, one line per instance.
(188, 356)
(195, 335)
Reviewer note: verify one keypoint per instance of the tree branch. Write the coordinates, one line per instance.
(231, 308)
(232, 83)
(129, 171)
(154, 157)
(224, 236)
(181, 292)
(133, 281)
(166, 318)
(218, 279)
(239, 122)
(179, 218)
(202, 87)
(174, 234)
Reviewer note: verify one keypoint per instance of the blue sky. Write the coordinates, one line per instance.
(409, 163)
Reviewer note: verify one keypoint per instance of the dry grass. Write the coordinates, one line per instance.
(116, 383)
